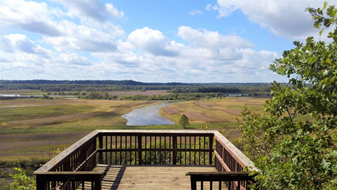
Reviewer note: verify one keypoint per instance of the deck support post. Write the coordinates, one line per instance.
(174, 152)
(210, 156)
(100, 146)
(41, 183)
(193, 183)
(98, 182)
(140, 149)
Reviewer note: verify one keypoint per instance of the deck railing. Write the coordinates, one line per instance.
(70, 169)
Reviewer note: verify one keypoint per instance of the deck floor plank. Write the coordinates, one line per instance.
(152, 178)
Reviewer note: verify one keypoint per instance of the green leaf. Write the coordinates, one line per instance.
(325, 5)
(320, 32)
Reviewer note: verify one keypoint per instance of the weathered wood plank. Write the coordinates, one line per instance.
(60, 157)
(143, 177)
(235, 152)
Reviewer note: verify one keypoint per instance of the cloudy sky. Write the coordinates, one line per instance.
(150, 40)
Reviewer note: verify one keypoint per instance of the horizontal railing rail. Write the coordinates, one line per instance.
(69, 180)
(156, 148)
(228, 158)
(228, 179)
(137, 147)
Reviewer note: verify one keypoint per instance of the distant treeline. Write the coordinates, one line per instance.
(130, 85)
(172, 96)
(105, 82)
(237, 88)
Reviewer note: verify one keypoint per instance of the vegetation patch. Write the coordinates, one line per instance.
(14, 114)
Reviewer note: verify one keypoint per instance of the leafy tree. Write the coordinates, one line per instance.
(294, 143)
(22, 181)
(184, 121)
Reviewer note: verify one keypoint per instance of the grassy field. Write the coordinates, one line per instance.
(215, 111)
(36, 127)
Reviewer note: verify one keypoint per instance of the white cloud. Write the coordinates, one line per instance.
(195, 13)
(210, 39)
(208, 56)
(90, 46)
(23, 59)
(283, 17)
(113, 11)
(27, 15)
(222, 11)
(83, 38)
(72, 59)
(152, 41)
(62, 33)
(91, 9)
(20, 43)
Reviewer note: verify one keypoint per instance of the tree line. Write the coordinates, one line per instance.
(51, 86)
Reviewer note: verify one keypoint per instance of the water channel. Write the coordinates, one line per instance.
(148, 115)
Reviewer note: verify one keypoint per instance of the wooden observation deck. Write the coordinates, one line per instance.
(148, 159)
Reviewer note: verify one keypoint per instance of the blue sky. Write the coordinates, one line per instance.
(150, 40)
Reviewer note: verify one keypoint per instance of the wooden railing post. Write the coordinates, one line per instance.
(100, 146)
(211, 150)
(93, 159)
(41, 183)
(140, 149)
(193, 183)
(98, 182)
(174, 152)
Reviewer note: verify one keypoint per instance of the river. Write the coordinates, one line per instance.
(148, 115)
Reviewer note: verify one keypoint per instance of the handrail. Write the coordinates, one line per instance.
(68, 179)
(54, 162)
(232, 180)
(242, 159)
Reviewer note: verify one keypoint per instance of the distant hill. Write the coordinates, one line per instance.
(123, 82)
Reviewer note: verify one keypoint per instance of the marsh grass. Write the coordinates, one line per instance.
(220, 110)
(25, 131)
(22, 113)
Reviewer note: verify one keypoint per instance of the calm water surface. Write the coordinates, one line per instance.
(148, 115)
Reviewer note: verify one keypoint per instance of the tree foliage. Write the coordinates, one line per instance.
(184, 121)
(22, 181)
(294, 143)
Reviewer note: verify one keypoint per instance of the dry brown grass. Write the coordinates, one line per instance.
(19, 91)
(20, 146)
(40, 102)
(212, 111)
(197, 117)
(233, 111)
(206, 105)
(171, 110)
(55, 119)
